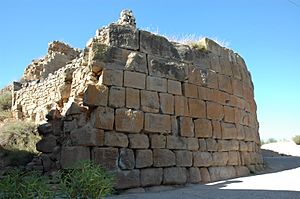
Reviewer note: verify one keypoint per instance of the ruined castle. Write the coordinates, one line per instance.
(154, 112)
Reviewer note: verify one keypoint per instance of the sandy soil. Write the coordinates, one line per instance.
(283, 148)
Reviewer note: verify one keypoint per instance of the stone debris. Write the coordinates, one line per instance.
(152, 111)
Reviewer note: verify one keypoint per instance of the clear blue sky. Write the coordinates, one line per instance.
(265, 32)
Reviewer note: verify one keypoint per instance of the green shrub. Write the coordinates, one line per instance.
(268, 141)
(26, 185)
(5, 114)
(87, 180)
(296, 139)
(5, 100)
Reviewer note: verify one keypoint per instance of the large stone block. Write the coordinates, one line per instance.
(95, 96)
(197, 108)
(156, 84)
(184, 158)
(134, 80)
(144, 158)
(157, 45)
(126, 159)
(128, 179)
(163, 158)
(120, 36)
(113, 138)
(205, 176)
(106, 157)
(157, 123)
(181, 106)
(175, 175)
(176, 142)
(214, 111)
(195, 76)
(47, 144)
(157, 141)
(228, 131)
(151, 176)
(138, 141)
(202, 159)
(217, 131)
(220, 158)
(129, 120)
(190, 90)
(87, 136)
(228, 145)
(132, 98)
(192, 144)
(211, 144)
(174, 87)
(242, 171)
(225, 83)
(203, 128)
(166, 103)
(221, 173)
(103, 118)
(229, 114)
(194, 175)
(137, 62)
(237, 87)
(234, 158)
(116, 97)
(202, 145)
(186, 126)
(111, 77)
(149, 101)
(70, 156)
(170, 69)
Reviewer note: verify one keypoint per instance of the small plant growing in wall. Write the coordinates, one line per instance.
(87, 180)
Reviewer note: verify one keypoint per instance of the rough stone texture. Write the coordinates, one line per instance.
(152, 111)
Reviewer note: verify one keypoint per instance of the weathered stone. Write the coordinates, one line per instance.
(221, 173)
(214, 111)
(192, 144)
(228, 145)
(156, 84)
(228, 131)
(111, 77)
(103, 118)
(166, 103)
(243, 146)
(95, 96)
(132, 98)
(106, 157)
(137, 62)
(68, 126)
(113, 138)
(203, 128)
(70, 156)
(229, 114)
(202, 145)
(149, 101)
(175, 175)
(87, 136)
(202, 159)
(242, 171)
(225, 83)
(212, 79)
(237, 87)
(174, 87)
(202, 93)
(157, 123)
(138, 141)
(134, 80)
(186, 127)
(129, 120)
(47, 144)
(163, 158)
(174, 126)
(234, 158)
(144, 158)
(126, 159)
(205, 176)
(170, 69)
(225, 65)
(128, 179)
(197, 108)
(190, 90)
(175, 142)
(157, 45)
(194, 175)
(151, 176)
(181, 106)
(211, 144)
(116, 97)
(184, 158)
(157, 141)
(220, 158)
(217, 131)
(195, 76)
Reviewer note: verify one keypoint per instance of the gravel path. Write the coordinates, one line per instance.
(278, 184)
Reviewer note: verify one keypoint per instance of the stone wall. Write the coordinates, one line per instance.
(152, 111)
